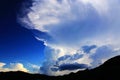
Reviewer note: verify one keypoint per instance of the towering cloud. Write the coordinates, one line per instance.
(78, 34)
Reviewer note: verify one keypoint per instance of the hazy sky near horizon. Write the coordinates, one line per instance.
(56, 37)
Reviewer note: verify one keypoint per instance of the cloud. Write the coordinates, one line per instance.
(103, 53)
(70, 57)
(34, 68)
(74, 31)
(87, 49)
(79, 60)
(73, 66)
(12, 67)
(2, 64)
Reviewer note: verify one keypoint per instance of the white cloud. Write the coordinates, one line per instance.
(2, 64)
(71, 24)
(12, 67)
(34, 68)
(101, 6)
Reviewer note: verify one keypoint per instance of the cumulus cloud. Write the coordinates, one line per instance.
(12, 67)
(74, 31)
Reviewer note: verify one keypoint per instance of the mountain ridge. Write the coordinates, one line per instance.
(110, 70)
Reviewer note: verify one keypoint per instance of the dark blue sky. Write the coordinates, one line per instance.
(17, 44)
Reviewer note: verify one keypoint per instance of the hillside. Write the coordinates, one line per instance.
(110, 70)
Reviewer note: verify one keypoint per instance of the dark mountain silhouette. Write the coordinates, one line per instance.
(110, 70)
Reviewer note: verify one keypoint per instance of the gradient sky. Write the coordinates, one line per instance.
(57, 37)
(17, 43)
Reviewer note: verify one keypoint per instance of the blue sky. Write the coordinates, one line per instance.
(57, 37)
(17, 44)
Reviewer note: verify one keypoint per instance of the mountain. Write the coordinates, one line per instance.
(110, 70)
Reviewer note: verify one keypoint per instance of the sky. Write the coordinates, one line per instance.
(17, 44)
(57, 37)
